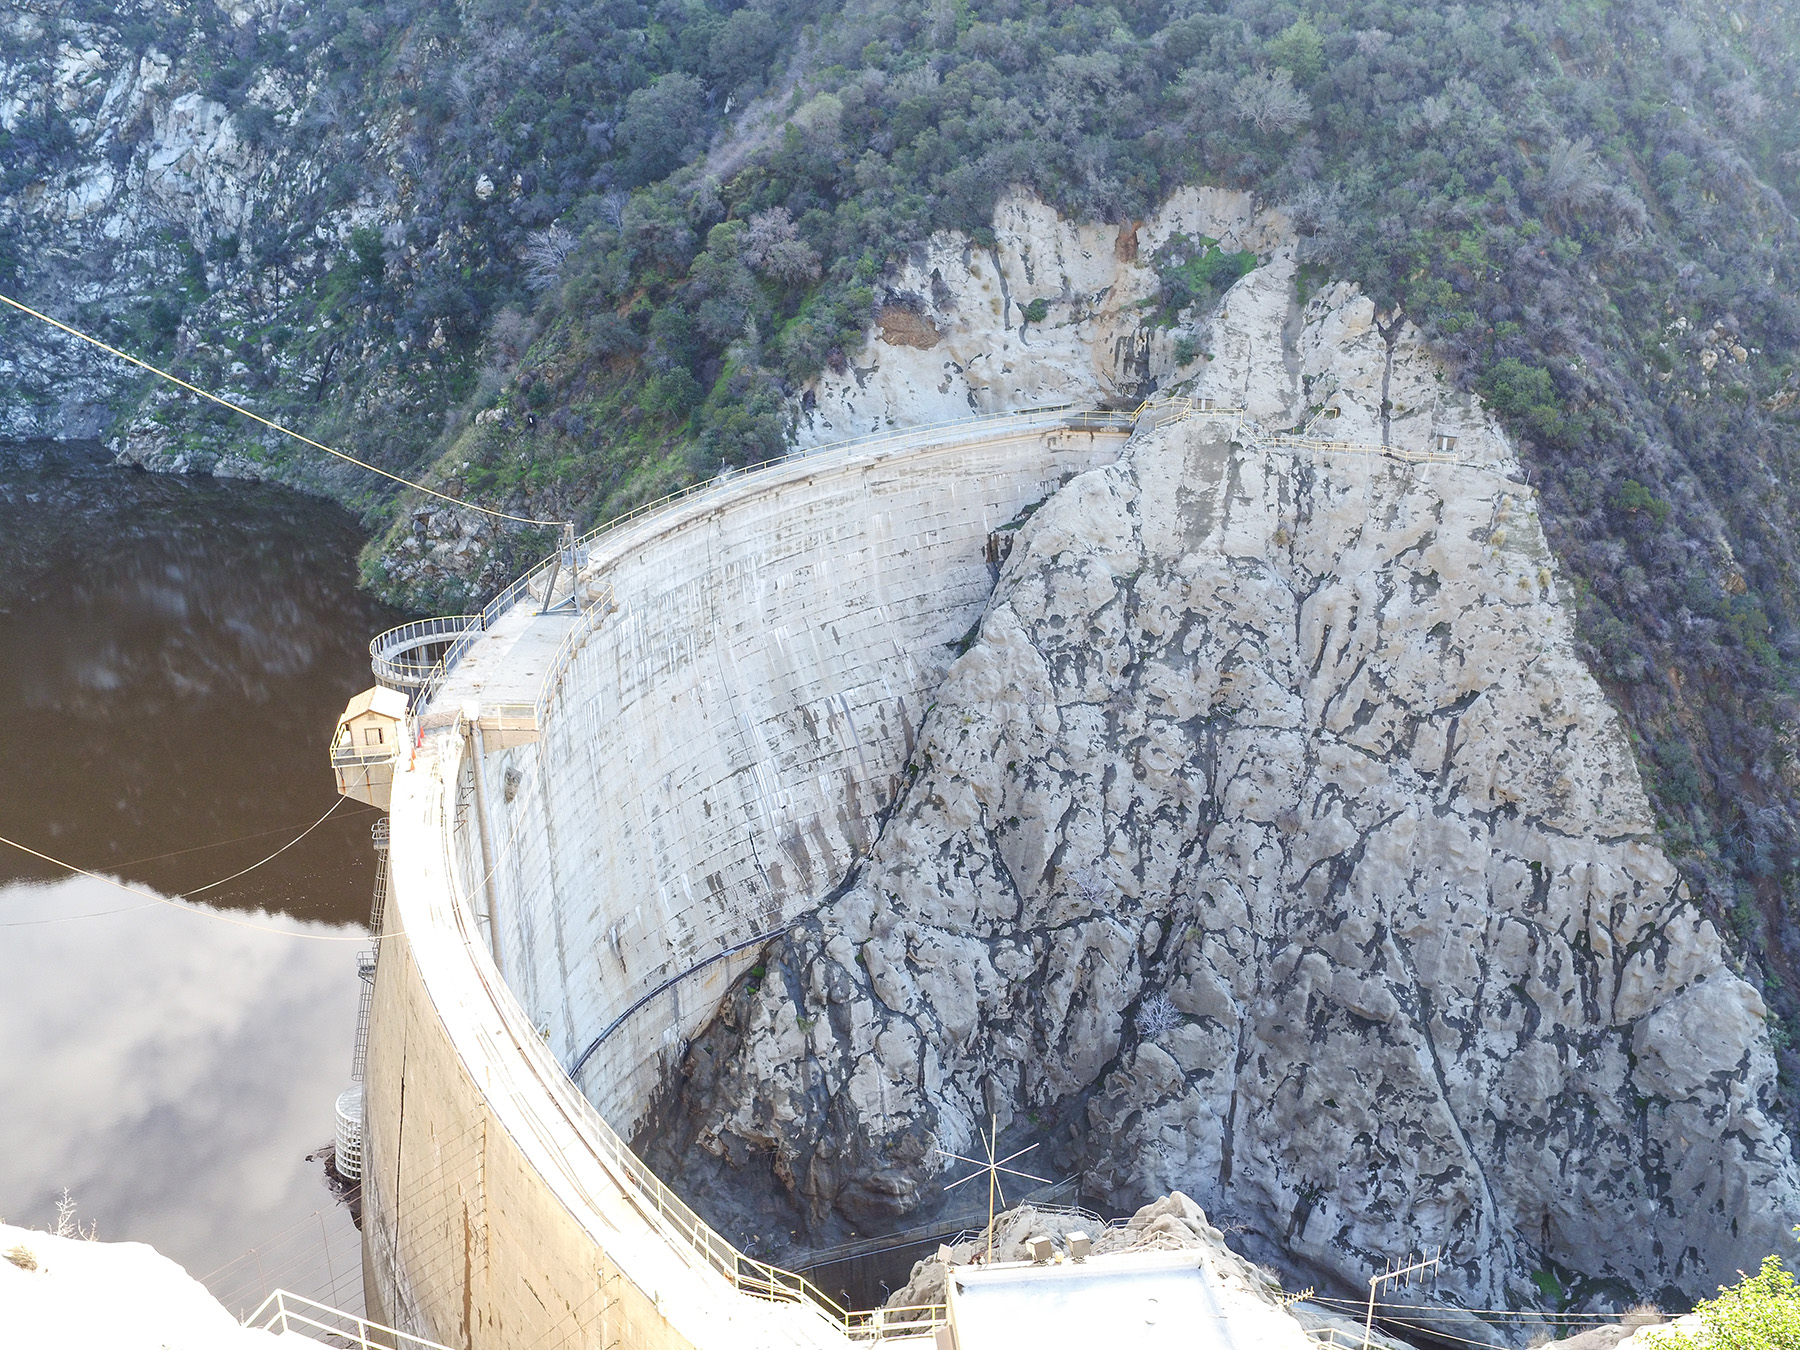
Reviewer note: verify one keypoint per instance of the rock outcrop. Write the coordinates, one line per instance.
(956, 332)
(1271, 842)
(951, 336)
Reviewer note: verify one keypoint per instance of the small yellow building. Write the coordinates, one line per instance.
(370, 736)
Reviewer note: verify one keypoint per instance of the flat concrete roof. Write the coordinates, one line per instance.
(1145, 1300)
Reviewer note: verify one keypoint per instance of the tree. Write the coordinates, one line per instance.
(662, 122)
(1759, 1312)
(1268, 101)
(543, 253)
(1299, 50)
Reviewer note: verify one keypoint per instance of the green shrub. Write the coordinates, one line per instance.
(1759, 1312)
(1195, 271)
(1300, 50)
(1633, 497)
(1517, 389)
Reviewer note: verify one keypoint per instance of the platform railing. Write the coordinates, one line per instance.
(1287, 442)
(386, 649)
(356, 757)
(283, 1312)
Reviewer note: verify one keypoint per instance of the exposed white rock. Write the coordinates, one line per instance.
(199, 171)
(1299, 740)
(59, 1293)
(951, 337)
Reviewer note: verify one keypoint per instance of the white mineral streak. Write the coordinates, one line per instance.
(1298, 741)
(60, 1293)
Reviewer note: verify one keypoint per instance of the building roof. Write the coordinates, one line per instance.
(380, 700)
(1147, 1300)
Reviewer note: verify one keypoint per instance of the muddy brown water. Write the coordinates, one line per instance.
(173, 655)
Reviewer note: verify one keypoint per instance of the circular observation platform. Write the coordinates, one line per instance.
(404, 658)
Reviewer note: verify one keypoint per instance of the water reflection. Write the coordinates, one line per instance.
(173, 655)
(171, 1070)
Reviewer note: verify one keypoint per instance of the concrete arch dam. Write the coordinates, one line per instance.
(649, 756)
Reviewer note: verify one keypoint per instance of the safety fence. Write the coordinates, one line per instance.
(284, 1312)
(462, 631)
(603, 602)
(682, 1227)
(571, 554)
(1400, 453)
(390, 652)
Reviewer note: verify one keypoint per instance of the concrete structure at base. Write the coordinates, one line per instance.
(603, 809)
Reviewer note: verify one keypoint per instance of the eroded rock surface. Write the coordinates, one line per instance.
(1271, 843)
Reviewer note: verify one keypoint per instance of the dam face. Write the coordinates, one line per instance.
(604, 813)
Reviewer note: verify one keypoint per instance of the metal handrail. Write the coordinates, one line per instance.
(1091, 419)
(580, 631)
(1365, 448)
(573, 640)
(653, 1199)
(275, 1315)
(357, 757)
(409, 637)
(643, 1187)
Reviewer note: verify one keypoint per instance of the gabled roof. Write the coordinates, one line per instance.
(380, 700)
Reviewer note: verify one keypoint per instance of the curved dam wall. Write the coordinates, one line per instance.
(726, 738)
(726, 719)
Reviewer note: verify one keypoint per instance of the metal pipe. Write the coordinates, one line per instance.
(477, 753)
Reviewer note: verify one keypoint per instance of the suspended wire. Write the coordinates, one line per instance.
(235, 839)
(71, 918)
(1448, 1312)
(180, 901)
(213, 885)
(275, 426)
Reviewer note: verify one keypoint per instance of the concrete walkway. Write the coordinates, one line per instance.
(503, 668)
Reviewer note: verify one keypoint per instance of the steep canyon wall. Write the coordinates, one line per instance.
(1272, 843)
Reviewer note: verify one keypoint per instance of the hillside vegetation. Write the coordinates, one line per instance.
(563, 257)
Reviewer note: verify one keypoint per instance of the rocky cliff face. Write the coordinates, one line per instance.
(1271, 843)
(1110, 325)
(212, 190)
(1052, 312)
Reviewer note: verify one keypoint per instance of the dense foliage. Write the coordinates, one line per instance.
(1759, 1312)
(629, 231)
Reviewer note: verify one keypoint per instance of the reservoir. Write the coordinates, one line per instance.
(173, 655)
